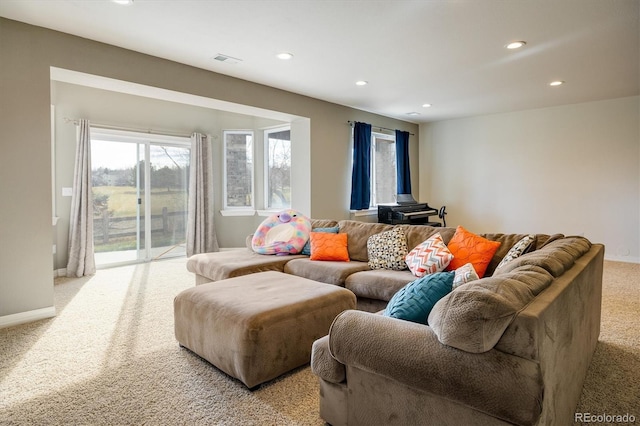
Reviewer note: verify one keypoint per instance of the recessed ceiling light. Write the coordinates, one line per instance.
(284, 56)
(516, 44)
(122, 1)
(556, 83)
(361, 83)
(413, 113)
(426, 105)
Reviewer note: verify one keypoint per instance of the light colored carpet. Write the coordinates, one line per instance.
(110, 357)
(612, 385)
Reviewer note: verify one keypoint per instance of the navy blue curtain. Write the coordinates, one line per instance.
(403, 173)
(361, 174)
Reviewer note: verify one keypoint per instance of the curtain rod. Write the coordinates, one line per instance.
(351, 123)
(129, 129)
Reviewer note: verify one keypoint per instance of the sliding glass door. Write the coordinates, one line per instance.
(168, 200)
(140, 187)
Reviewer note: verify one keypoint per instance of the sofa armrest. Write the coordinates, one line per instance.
(401, 350)
(323, 364)
(493, 382)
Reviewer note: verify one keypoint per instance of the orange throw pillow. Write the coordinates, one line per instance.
(326, 246)
(468, 247)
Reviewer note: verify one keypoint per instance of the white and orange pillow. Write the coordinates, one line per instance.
(429, 257)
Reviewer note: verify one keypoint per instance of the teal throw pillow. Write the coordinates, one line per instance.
(414, 301)
(307, 247)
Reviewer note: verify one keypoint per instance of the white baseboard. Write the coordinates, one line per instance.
(59, 272)
(29, 316)
(625, 259)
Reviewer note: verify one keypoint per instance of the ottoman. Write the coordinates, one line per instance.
(256, 327)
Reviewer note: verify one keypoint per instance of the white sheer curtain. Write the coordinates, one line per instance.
(201, 233)
(81, 256)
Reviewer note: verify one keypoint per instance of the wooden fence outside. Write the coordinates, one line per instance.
(106, 227)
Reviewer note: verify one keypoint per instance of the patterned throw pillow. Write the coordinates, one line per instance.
(518, 249)
(327, 246)
(307, 247)
(429, 256)
(464, 274)
(468, 247)
(387, 250)
(415, 301)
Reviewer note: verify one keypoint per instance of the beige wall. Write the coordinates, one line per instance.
(26, 55)
(572, 169)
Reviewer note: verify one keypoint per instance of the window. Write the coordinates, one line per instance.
(383, 169)
(277, 149)
(238, 170)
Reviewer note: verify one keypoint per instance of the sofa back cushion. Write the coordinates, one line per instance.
(555, 257)
(417, 234)
(509, 240)
(358, 235)
(474, 316)
(323, 223)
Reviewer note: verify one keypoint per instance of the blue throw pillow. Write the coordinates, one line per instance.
(307, 247)
(414, 301)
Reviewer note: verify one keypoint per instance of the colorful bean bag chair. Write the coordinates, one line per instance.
(282, 233)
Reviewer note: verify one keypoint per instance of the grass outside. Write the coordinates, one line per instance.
(123, 200)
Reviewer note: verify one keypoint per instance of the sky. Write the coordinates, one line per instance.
(122, 155)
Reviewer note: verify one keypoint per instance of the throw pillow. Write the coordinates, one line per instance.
(468, 247)
(518, 249)
(429, 256)
(307, 247)
(464, 274)
(387, 250)
(282, 233)
(414, 301)
(327, 246)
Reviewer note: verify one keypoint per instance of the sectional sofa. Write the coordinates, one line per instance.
(510, 348)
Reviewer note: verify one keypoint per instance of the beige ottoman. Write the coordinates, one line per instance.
(256, 327)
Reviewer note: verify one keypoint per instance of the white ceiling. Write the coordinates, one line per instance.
(449, 53)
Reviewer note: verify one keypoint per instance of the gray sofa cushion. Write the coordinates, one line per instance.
(358, 235)
(506, 243)
(417, 234)
(329, 272)
(380, 284)
(555, 257)
(475, 315)
(234, 263)
(323, 223)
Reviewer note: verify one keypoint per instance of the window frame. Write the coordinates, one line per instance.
(373, 202)
(238, 210)
(266, 195)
